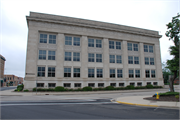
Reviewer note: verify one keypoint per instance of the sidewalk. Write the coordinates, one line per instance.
(139, 101)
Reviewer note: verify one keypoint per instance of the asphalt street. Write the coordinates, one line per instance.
(85, 109)
(7, 88)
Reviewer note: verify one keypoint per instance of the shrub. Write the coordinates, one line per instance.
(34, 89)
(87, 88)
(20, 87)
(26, 90)
(59, 88)
(169, 94)
(149, 86)
(15, 90)
(130, 87)
(95, 89)
(50, 89)
(109, 88)
(177, 96)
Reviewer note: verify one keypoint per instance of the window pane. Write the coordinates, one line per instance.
(76, 56)
(41, 72)
(98, 57)
(67, 72)
(90, 42)
(130, 59)
(130, 46)
(119, 73)
(118, 45)
(99, 43)
(136, 60)
(42, 54)
(131, 73)
(68, 40)
(90, 72)
(90, 57)
(76, 41)
(118, 59)
(99, 73)
(137, 73)
(111, 44)
(52, 39)
(145, 48)
(146, 61)
(43, 38)
(112, 73)
(147, 73)
(151, 61)
(150, 49)
(112, 58)
(51, 55)
(135, 47)
(67, 56)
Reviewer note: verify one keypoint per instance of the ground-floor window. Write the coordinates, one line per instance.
(132, 83)
(91, 84)
(77, 84)
(113, 84)
(148, 83)
(51, 84)
(67, 84)
(155, 83)
(100, 84)
(139, 84)
(40, 84)
(121, 84)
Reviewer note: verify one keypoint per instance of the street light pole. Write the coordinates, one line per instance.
(36, 86)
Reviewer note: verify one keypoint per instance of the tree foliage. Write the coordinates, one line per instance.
(173, 33)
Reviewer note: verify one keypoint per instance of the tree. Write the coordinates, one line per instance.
(174, 34)
(166, 72)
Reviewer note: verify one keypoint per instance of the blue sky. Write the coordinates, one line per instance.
(148, 14)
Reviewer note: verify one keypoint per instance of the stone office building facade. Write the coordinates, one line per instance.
(72, 52)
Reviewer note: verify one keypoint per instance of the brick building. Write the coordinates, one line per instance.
(12, 80)
(2, 64)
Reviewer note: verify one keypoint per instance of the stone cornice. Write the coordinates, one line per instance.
(94, 26)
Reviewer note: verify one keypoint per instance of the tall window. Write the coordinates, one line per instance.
(67, 56)
(118, 59)
(129, 46)
(136, 60)
(43, 38)
(76, 56)
(52, 39)
(67, 72)
(151, 61)
(137, 72)
(153, 74)
(99, 73)
(147, 73)
(41, 72)
(130, 59)
(118, 45)
(146, 61)
(68, 40)
(131, 73)
(42, 54)
(150, 48)
(112, 73)
(98, 57)
(90, 42)
(51, 71)
(76, 72)
(135, 47)
(91, 72)
(112, 58)
(145, 48)
(119, 73)
(90, 57)
(111, 44)
(99, 43)
(76, 41)
(51, 55)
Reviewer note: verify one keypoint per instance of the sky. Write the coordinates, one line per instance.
(147, 14)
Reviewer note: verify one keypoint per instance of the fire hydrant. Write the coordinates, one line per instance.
(157, 95)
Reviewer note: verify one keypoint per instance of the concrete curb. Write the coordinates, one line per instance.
(146, 105)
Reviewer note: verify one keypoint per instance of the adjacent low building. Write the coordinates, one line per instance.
(2, 64)
(12, 80)
(73, 53)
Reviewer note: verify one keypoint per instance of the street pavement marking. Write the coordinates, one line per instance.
(137, 104)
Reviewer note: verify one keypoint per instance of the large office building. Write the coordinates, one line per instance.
(2, 64)
(73, 53)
